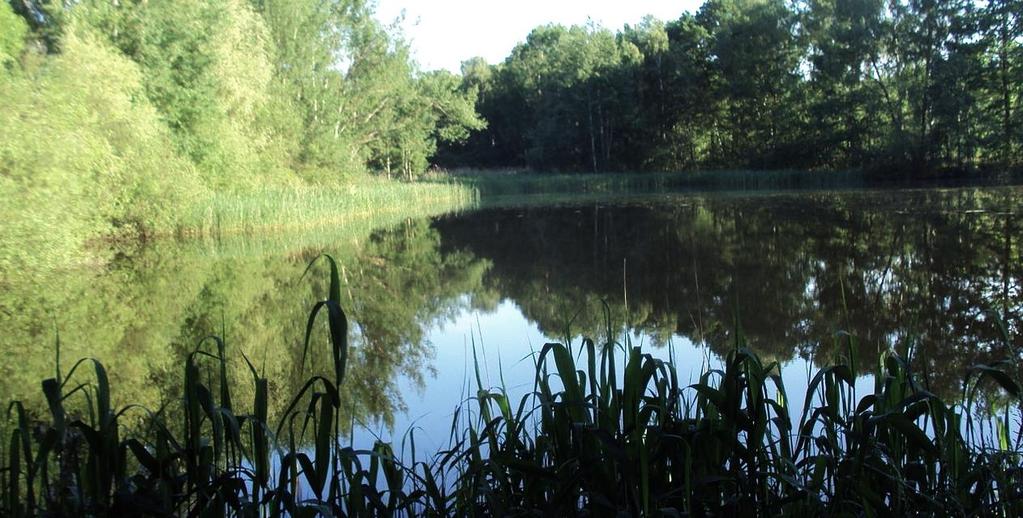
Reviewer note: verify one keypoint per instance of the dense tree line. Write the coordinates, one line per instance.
(121, 114)
(909, 85)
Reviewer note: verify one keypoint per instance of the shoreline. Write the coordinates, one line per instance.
(268, 211)
(500, 182)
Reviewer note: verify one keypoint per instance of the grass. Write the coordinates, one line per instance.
(263, 210)
(606, 429)
(306, 207)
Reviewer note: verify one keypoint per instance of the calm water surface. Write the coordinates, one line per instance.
(923, 272)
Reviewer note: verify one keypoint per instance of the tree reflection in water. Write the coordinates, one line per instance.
(892, 268)
(924, 267)
(142, 315)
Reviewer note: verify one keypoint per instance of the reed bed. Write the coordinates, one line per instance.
(307, 207)
(606, 430)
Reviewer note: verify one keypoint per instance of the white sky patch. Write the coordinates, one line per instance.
(446, 32)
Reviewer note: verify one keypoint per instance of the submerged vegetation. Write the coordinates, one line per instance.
(605, 429)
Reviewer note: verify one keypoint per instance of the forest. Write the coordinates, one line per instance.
(128, 118)
(902, 87)
(125, 120)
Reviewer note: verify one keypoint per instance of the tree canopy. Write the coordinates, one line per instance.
(117, 116)
(908, 85)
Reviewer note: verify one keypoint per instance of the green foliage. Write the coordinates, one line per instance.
(755, 63)
(430, 110)
(82, 151)
(568, 83)
(360, 99)
(12, 35)
(142, 315)
(905, 87)
(634, 440)
(138, 118)
(206, 68)
(606, 429)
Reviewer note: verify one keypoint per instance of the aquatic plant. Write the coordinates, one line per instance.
(606, 429)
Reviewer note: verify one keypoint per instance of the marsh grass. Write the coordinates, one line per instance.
(259, 210)
(310, 207)
(606, 429)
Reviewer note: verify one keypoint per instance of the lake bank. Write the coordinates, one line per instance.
(518, 182)
(297, 207)
(300, 207)
(309, 207)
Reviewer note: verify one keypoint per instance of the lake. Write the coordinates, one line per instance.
(934, 274)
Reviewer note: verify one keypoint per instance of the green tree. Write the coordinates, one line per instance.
(202, 96)
(502, 104)
(842, 39)
(12, 35)
(957, 90)
(1002, 27)
(905, 87)
(432, 109)
(82, 129)
(309, 42)
(568, 79)
(687, 135)
(755, 58)
(647, 120)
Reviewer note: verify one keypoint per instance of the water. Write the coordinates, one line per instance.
(925, 272)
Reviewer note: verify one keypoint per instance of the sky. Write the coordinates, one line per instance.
(446, 32)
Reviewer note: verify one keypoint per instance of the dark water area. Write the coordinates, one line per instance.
(932, 274)
(930, 269)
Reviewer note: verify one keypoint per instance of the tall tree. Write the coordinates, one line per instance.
(567, 77)
(842, 39)
(755, 57)
(1003, 28)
